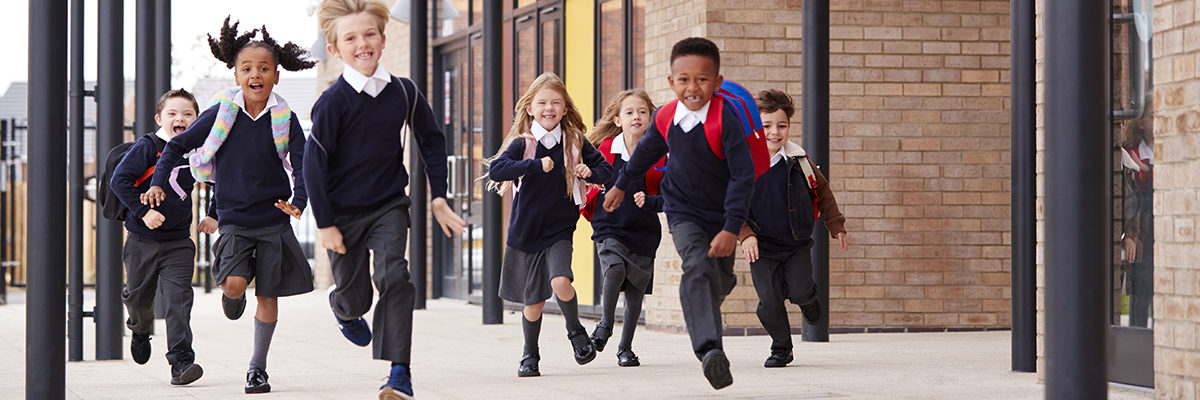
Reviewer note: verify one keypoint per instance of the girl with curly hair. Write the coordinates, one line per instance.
(250, 142)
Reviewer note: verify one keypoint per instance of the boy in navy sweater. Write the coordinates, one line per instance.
(354, 166)
(706, 198)
(159, 250)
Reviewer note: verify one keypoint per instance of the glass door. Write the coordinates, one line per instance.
(1131, 329)
(452, 78)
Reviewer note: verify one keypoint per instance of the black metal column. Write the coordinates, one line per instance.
(110, 125)
(1078, 202)
(493, 132)
(815, 114)
(418, 236)
(45, 327)
(75, 312)
(1024, 190)
(162, 48)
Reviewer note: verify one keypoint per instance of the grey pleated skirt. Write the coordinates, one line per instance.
(639, 269)
(270, 256)
(525, 277)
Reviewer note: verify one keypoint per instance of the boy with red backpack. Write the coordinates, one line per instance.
(706, 192)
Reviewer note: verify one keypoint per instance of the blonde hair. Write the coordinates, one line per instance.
(605, 127)
(571, 123)
(331, 10)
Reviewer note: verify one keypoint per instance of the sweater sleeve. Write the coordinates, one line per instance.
(835, 222)
(510, 164)
(431, 142)
(296, 158)
(212, 202)
(325, 119)
(651, 148)
(137, 159)
(182, 143)
(601, 169)
(741, 172)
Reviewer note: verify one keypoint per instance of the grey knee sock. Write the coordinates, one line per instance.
(613, 278)
(633, 310)
(262, 342)
(531, 329)
(570, 312)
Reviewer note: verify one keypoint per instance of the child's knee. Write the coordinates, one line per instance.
(533, 312)
(561, 283)
(234, 286)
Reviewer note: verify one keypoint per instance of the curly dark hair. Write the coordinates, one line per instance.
(697, 46)
(290, 56)
(772, 100)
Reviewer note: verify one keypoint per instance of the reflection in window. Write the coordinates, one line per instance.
(526, 58)
(550, 56)
(639, 44)
(612, 50)
(454, 15)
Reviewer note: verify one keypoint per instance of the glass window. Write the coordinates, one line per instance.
(550, 57)
(454, 14)
(639, 44)
(523, 3)
(476, 12)
(527, 62)
(612, 50)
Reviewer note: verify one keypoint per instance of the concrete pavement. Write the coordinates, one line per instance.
(456, 357)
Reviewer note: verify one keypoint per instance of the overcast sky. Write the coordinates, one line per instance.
(287, 20)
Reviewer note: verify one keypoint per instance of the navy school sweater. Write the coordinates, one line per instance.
(543, 213)
(698, 187)
(247, 169)
(177, 213)
(635, 227)
(355, 162)
(769, 210)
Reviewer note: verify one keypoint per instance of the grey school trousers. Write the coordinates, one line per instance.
(780, 276)
(383, 232)
(703, 287)
(148, 265)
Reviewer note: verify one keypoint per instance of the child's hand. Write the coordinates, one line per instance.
(331, 239)
(841, 237)
(153, 219)
(722, 245)
(451, 223)
(207, 225)
(750, 248)
(639, 198)
(153, 197)
(582, 171)
(288, 208)
(547, 164)
(613, 199)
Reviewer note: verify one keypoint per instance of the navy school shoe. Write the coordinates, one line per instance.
(398, 386)
(355, 330)
(139, 348)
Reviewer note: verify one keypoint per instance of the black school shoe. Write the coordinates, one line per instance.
(185, 373)
(626, 358)
(582, 344)
(600, 336)
(256, 381)
(139, 348)
(716, 369)
(779, 358)
(529, 366)
(811, 312)
(233, 307)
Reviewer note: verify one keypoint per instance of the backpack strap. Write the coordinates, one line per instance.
(159, 144)
(713, 125)
(606, 150)
(662, 118)
(811, 178)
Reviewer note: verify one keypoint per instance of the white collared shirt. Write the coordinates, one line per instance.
(618, 147)
(779, 155)
(548, 138)
(240, 100)
(162, 134)
(371, 85)
(687, 119)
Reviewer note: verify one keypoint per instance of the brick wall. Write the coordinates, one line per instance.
(1176, 199)
(919, 144)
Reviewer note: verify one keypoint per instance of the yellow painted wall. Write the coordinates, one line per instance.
(579, 20)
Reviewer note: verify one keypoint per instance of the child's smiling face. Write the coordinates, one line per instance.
(775, 127)
(694, 79)
(255, 71)
(547, 108)
(359, 42)
(634, 115)
(177, 114)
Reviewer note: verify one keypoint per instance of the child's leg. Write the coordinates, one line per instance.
(141, 283)
(531, 327)
(234, 286)
(265, 317)
(633, 311)
(614, 276)
(175, 279)
(387, 238)
(352, 294)
(699, 288)
(767, 274)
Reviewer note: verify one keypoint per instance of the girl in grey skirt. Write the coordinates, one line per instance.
(546, 159)
(626, 238)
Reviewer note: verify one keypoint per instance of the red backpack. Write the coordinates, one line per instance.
(739, 99)
(652, 178)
